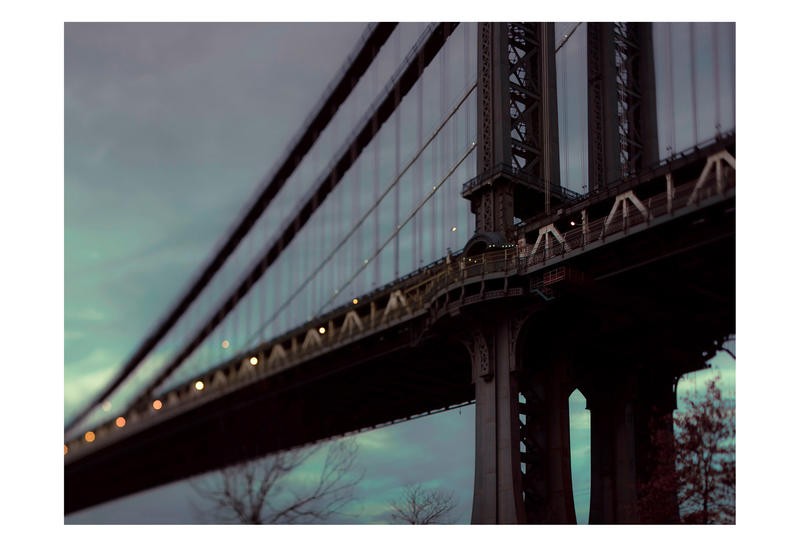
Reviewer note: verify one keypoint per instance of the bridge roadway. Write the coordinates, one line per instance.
(645, 270)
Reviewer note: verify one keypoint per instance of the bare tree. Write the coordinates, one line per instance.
(262, 491)
(420, 505)
(705, 443)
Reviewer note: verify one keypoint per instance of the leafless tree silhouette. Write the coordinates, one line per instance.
(420, 505)
(263, 492)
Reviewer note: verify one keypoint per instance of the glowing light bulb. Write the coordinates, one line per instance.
(157, 404)
(199, 385)
(66, 449)
(120, 422)
(226, 344)
(355, 301)
(89, 436)
(254, 360)
(453, 229)
(322, 330)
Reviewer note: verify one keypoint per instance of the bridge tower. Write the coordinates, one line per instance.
(623, 136)
(522, 382)
(518, 178)
(517, 125)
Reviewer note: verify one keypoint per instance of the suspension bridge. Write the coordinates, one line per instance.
(490, 213)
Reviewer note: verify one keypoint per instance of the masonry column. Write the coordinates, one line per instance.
(498, 494)
(609, 398)
(547, 479)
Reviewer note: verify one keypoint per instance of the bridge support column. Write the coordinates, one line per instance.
(497, 497)
(613, 467)
(511, 434)
(547, 478)
(633, 453)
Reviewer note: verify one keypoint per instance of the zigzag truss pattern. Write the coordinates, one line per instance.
(412, 296)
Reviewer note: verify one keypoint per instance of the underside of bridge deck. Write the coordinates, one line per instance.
(380, 379)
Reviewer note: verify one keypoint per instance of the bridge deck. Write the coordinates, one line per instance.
(360, 373)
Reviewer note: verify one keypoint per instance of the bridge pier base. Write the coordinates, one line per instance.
(511, 434)
(547, 478)
(632, 447)
(496, 498)
(613, 462)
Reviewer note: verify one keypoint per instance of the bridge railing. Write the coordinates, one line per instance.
(631, 215)
(413, 294)
(508, 170)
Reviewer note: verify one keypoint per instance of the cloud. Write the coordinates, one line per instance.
(70, 335)
(87, 377)
(86, 314)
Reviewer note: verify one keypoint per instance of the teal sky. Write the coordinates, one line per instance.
(168, 130)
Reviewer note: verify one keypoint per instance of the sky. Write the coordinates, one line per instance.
(41, 104)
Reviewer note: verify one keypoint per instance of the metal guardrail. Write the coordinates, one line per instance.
(599, 229)
(520, 177)
(421, 287)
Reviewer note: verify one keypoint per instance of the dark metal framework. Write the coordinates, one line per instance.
(636, 96)
(516, 123)
(517, 70)
(623, 139)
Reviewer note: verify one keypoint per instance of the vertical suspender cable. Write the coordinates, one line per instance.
(396, 220)
(224, 331)
(670, 98)
(276, 292)
(339, 218)
(715, 64)
(583, 122)
(376, 191)
(564, 123)
(326, 217)
(356, 213)
(261, 292)
(236, 308)
(313, 248)
(732, 71)
(693, 80)
(437, 166)
(417, 239)
(397, 137)
(444, 223)
(248, 304)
